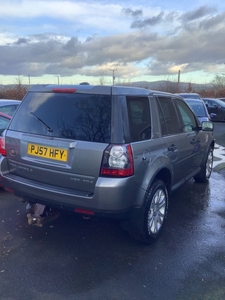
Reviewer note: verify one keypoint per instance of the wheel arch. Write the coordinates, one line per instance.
(135, 224)
(164, 175)
(211, 145)
(206, 165)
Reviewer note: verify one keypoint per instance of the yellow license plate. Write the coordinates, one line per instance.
(47, 152)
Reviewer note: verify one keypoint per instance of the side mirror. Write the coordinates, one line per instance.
(216, 106)
(212, 115)
(207, 126)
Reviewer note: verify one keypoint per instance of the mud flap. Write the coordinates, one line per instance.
(135, 224)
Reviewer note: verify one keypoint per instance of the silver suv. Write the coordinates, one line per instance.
(106, 151)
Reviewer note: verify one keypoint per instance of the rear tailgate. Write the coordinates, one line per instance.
(53, 161)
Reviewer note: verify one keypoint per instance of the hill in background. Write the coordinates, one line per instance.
(164, 84)
(161, 85)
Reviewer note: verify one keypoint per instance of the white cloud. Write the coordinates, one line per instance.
(88, 38)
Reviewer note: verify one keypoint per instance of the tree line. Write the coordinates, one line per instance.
(18, 90)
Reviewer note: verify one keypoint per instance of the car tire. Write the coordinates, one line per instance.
(206, 169)
(155, 211)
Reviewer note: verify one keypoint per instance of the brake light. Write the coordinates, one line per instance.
(117, 161)
(8, 190)
(2, 145)
(62, 90)
(84, 211)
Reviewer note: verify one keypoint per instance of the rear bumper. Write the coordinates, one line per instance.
(113, 198)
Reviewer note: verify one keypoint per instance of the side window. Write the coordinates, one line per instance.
(210, 103)
(168, 117)
(139, 118)
(206, 103)
(187, 116)
(9, 109)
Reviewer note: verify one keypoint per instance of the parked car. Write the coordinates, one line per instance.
(4, 121)
(200, 109)
(105, 151)
(9, 106)
(223, 99)
(189, 95)
(216, 106)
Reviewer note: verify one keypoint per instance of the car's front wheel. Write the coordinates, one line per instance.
(156, 207)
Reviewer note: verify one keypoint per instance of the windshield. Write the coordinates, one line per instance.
(197, 107)
(220, 102)
(83, 117)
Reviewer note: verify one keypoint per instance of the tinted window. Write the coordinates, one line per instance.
(139, 118)
(189, 121)
(3, 123)
(71, 116)
(168, 116)
(210, 103)
(198, 108)
(9, 109)
(213, 104)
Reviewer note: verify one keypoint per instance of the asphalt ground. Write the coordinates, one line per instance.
(219, 151)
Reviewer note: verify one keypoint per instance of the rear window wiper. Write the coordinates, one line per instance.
(42, 122)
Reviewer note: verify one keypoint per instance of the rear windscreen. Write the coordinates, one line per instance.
(72, 116)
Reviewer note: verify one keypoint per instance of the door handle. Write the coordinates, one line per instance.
(172, 148)
(194, 142)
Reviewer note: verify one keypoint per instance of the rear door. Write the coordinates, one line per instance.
(178, 144)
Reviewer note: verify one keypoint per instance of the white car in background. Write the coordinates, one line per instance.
(8, 106)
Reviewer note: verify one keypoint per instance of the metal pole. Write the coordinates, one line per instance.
(113, 76)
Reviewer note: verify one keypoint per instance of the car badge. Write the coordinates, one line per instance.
(12, 152)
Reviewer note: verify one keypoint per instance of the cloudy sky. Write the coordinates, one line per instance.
(69, 41)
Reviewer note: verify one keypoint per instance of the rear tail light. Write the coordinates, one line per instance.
(117, 161)
(84, 211)
(8, 190)
(2, 145)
